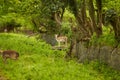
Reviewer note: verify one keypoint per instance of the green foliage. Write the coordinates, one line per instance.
(22, 44)
(106, 39)
(15, 20)
(104, 71)
(66, 25)
(24, 11)
(66, 30)
(38, 62)
(19, 10)
(112, 4)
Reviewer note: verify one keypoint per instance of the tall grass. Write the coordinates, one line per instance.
(38, 61)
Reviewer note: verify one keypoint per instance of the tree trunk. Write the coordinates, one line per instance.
(82, 33)
(99, 16)
(97, 25)
(116, 27)
(92, 15)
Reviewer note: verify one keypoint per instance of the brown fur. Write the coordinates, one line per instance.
(60, 39)
(9, 54)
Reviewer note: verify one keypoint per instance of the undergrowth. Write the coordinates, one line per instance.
(38, 61)
(106, 39)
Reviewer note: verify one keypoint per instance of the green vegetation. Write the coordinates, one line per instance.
(94, 21)
(38, 61)
(107, 39)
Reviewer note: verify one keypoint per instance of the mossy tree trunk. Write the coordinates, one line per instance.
(86, 26)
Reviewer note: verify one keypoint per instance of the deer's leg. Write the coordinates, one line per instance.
(66, 43)
(4, 59)
(59, 43)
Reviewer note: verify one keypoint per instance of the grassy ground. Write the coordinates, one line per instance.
(38, 61)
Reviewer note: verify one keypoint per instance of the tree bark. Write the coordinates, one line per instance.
(96, 24)
(99, 16)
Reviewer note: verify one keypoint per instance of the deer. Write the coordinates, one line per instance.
(11, 54)
(60, 39)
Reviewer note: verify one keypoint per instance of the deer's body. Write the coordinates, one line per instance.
(11, 54)
(60, 39)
